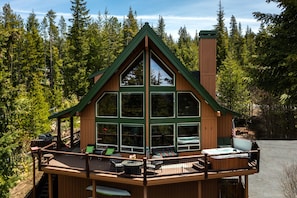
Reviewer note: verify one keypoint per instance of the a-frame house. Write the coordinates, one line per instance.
(148, 104)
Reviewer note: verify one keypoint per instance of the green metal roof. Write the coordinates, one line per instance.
(146, 30)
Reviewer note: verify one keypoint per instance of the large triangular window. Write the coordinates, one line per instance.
(133, 75)
(160, 75)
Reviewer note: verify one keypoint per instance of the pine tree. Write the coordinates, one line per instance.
(160, 30)
(222, 38)
(33, 53)
(187, 50)
(75, 68)
(276, 49)
(232, 86)
(130, 27)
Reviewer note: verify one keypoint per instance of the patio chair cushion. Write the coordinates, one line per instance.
(90, 149)
(109, 151)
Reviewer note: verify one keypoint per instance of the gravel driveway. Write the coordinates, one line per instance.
(275, 155)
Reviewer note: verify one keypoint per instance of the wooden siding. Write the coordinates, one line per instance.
(187, 189)
(210, 188)
(72, 187)
(87, 125)
(225, 125)
(76, 188)
(208, 127)
(207, 64)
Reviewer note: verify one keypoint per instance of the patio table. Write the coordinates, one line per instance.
(132, 166)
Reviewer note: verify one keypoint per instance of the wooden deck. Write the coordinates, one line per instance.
(98, 167)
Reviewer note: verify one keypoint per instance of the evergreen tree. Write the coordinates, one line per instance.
(276, 49)
(62, 37)
(232, 86)
(160, 30)
(187, 50)
(75, 68)
(14, 26)
(33, 58)
(222, 38)
(130, 27)
(39, 109)
(53, 39)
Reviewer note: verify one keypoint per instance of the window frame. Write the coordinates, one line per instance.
(152, 53)
(143, 71)
(189, 146)
(143, 104)
(173, 105)
(151, 135)
(199, 105)
(106, 144)
(117, 106)
(132, 149)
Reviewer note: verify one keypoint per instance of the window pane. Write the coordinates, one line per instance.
(162, 105)
(188, 105)
(162, 135)
(132, 104)
(133, 76)
(132, 135)
(188, 137)
(107, 133)
(188, 130)
(107, 105)
(160, 74)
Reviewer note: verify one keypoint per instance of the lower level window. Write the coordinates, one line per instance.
(132, 138)
(188, 137)
(107, 134)
(162, 135)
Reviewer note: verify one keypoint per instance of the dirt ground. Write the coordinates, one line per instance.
(24, 186)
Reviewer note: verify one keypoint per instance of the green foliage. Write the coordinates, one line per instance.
(44, 66)
(276, 52)
(130, 28)
(232, 86)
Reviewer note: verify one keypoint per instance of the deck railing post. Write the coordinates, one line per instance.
(144, 171)
(39, 159)
(205, 166)
(258, 160)
(87, 166)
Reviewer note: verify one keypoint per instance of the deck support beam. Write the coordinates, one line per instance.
(50, 186)
(71, 132)
(59, 133)
(199, 189)
(94, 188)
(246, 184)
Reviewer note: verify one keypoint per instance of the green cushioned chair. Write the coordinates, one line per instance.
(109, 151)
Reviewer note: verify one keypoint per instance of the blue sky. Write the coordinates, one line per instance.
(195, 15)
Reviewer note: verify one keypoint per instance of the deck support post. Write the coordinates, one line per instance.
(71, 132)
(94, 188)
(59, 133)
(199, 189)
(144, 177)
(246, 184)
(50, 186)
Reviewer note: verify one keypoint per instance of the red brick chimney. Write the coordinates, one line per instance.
(207, 60)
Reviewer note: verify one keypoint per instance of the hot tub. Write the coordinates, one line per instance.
(227, 158)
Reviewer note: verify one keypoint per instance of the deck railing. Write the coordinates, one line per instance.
(92, 163)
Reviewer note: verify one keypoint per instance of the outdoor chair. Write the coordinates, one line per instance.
(116, 164)
(155, 164)
(89, 149)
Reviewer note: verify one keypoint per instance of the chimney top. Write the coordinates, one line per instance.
(208, 34)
